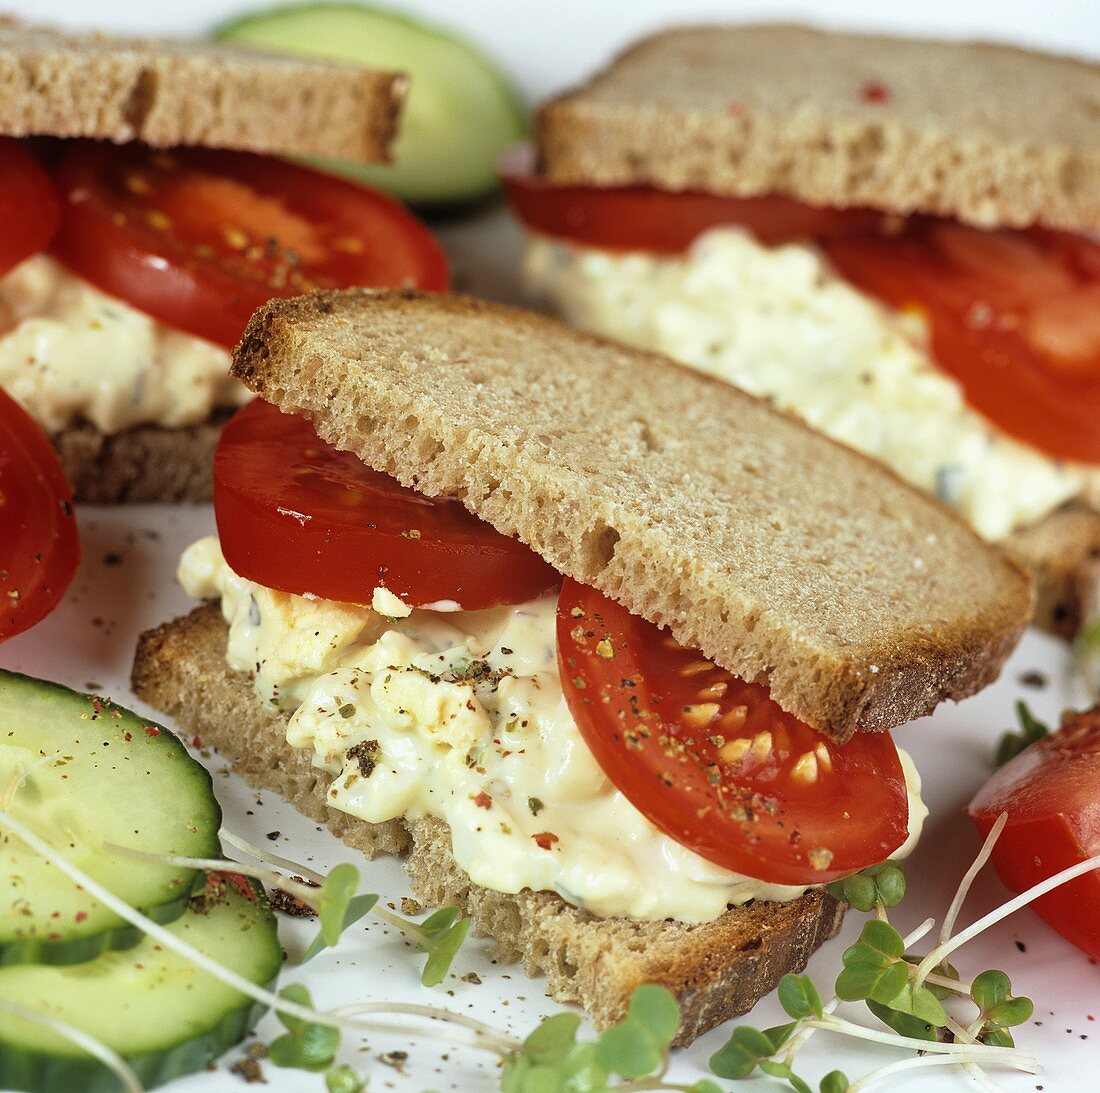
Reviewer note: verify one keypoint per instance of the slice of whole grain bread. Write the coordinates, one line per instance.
(780, 554)
(169, 92)
(145, 463)
(989, 134)
(717, 970)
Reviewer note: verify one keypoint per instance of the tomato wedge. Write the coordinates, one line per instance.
(1014, 317)
(296, 514)
(30, 208)
(39, 548)
(1051, 792)
(713, 762)
(199, 238)
(646, 218)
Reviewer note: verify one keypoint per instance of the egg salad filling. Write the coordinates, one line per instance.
(460, 715)
(69, 352)
(777, 322)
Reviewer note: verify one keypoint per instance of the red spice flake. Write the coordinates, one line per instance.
(127, 736)
(152, 730)
(545, 840)
(196, 742)
(483, 800)
(874, 92)
(81, 916)
(238, 882)
(735, 109)
(97, 704)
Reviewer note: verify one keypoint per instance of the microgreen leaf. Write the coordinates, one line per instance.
(949, 971)
(440, 936)
(781, 1070)
(637, 1045)
(799, 997)
(354, 910)
(576, 1070)
(1031, 729)
(905, 1024)
(1012, 1011)
(997, 1037)
(836, 1081)
(741, 1053)
(656, 1010)
(342, 1079)
(877, 884)
(883, 984)
(305, 1046)
(919, 1002)
(989, 989)
(780, 1034)
(704, 1085)
(336, 894)
(551, 1041)
(879, 944)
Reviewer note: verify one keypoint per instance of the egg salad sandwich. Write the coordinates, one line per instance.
(146, 218)
(606, 647)
(890, 238)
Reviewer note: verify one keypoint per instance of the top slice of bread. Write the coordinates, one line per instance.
(989, 134)
(169, 92)
(782, 555)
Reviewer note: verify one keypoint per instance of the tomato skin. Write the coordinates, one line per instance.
(39, 548)
(1051, 792)
(680, 738)
(296, 514)
(200, 238)
(30, 207)
(646, 218)
(1014, 318)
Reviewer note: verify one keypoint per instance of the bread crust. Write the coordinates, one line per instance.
(990, 134)
(145, 463)
(172, 92)
(780, 554)
(717, 970)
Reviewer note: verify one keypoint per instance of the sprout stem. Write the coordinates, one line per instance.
(941, 952)
(925, 1060)
(266, 856)
(968, 879)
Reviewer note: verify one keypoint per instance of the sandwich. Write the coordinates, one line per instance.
(889, 238)
(147, 218)
(606, 648)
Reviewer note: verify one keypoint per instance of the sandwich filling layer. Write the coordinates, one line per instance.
(461, 716)
(777, 322)
(69, 352)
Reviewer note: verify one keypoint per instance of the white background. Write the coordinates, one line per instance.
(545, 46)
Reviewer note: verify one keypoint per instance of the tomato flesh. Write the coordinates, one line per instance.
(646, 218)
(713, 761)
(1051, 792)
(39, 548)
(1014, 315)
(30, 208)
(199, 238)
(296, 514)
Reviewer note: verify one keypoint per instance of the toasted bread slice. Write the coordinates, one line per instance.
(169, 92)
(783, 556)
(1063, 551)
(145, 463)
(986, 133)
(717, 970)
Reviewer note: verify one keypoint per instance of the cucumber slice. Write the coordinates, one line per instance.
(97, 774)
(460, 113)
(160, 1013)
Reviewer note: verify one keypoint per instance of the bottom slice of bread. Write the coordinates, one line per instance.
(717, 970)
(145, 463)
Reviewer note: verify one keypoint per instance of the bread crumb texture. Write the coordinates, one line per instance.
(169, 92)
(783, 556)
(990, 134)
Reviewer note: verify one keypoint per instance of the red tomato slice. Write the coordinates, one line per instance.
(645, 218)
(713, 762)
(39, 549)
(30, 208)
(200, 238)
(1014, 316)
(1051, 792)
(296, 514)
